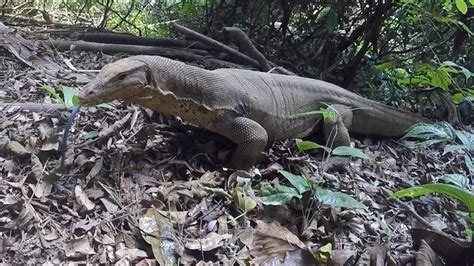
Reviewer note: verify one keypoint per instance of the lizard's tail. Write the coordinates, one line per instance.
(384, 120)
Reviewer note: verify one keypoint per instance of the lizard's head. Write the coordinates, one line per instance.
(120, 80)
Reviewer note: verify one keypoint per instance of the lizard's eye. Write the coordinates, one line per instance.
(122, 77)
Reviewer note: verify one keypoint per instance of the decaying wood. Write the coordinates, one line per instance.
(107, 48)
(25, 50)
(218, 45)
(246, 45)
(31, 107)
(213, 63)
(32, 55)
(119, 38)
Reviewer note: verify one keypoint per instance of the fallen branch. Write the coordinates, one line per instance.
(30, 54)
(246, 45)
(189, 54)
(119, 38)
(218, 45)
(32, 107)
(213, 63)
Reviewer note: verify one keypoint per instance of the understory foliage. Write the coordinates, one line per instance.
(385, 50)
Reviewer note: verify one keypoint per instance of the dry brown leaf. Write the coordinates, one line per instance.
(117, 126)
(82, 199)
(147, 262)
(271, 240)
(50, 144)
(79, 246)
(177, 217)
(275, 230)
(223, 224)
(27, 216)
(341, 257)
(211, 241)
(42, 188)
(105, 239)
(246, 237)
(17, 149)
(36, 166)
(95, 169)
(109, 205)
(130, 254)
(86, 224)
(160, 234)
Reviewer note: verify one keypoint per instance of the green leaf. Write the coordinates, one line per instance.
(52, 92)
(244, 202)
(299, 182)
(307, 114)
(466, 138)
(278, 195)
(324, 253)
(469, 234)
(440, 78)
(323, 14)
(337, 199)
(218, 192)
(450, 148)
(441, 131)
(349, 151)
(465, 71)
(386, 65)
(464, 27)
(462, 7)
(332, 20)
(71, 98)
(469, 163)
(91, 134)
(307, 145)
(457, 98)
(426, 143)
(455, 179)
(444, 189)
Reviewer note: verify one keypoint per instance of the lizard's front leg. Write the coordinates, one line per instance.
(336, 131)
(250, 137)
(336, 127)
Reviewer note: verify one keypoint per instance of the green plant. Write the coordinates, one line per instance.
(70, 95)
(307, 145)
(444, 132)
(281, 194)
(453, 191)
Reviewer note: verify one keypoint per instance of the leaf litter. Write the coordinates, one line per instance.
(145, 187)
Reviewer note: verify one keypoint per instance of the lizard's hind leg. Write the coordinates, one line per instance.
(336, 127)
(250, 137)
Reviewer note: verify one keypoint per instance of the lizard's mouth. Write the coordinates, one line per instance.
(91, 99)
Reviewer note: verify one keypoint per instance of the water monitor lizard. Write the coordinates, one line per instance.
(250, 108)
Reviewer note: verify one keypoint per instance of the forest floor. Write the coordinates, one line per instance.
(140, 187)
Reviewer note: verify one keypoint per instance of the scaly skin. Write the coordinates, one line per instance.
(250, 108)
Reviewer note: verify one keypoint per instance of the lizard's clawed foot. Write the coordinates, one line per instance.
(335, 163)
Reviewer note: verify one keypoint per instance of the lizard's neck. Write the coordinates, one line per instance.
(178, 89)
(183, 80)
